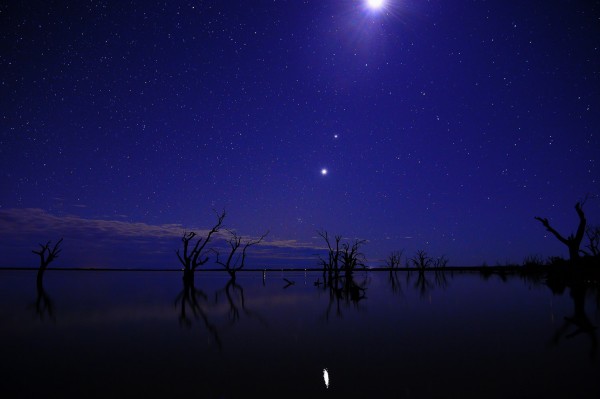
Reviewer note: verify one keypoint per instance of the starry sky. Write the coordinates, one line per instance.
(443, 125)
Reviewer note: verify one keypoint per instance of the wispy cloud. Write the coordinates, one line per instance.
(16, 222)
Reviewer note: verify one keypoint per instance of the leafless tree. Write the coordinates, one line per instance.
(421, 260)
(341, 256)
(351, 256)
(440, 262)
(394, 259)
(593, 236)
(43, 303)
(572, 241)
(47, 255)
(331, 266)
(235, 263)
(194, 258)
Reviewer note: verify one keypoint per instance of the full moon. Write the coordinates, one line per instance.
(323, 171)
(375, 4)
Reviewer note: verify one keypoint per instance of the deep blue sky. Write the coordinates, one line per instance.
(443, 125)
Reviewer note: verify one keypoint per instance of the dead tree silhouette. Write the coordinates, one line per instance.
(572, 241)
(233, 263)
(344, 256)
(43, 303)
(191, 260)
(47, 255)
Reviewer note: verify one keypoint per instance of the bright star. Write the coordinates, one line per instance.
(375, 4)
(323, 171)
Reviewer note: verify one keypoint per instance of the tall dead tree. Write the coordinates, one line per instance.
(331, 266)
(196, 257)
(235, 262)
(572, 241)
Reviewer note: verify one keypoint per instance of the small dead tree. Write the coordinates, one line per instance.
(441, 262)
(572, 241)
(43, 303)
(394, 260)
(235, 263)
(421, 260)
(194, 258)
(47, 255)
(331, 266)
(351, 256)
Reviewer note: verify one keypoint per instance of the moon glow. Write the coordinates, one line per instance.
(375, 4)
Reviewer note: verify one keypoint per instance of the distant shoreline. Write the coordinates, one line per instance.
(508, 268)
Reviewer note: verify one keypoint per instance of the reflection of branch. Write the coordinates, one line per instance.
(342, 289)
(395, 283)
(288, 283)
(188, 297)
(236, 300)
(422, 284)
(43, 303)
(579, 320)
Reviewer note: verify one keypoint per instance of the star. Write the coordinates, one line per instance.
(324, 171)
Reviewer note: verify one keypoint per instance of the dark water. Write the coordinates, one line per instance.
(127, 334)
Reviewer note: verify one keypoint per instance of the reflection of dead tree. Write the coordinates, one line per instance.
(572, 241)
(440, 279)
(194, 258)
(43, 303)
(579, 320)
(343, 290)
(395, 283)
(423, 284)
(236, 300)
(189, 299)
(235, 263)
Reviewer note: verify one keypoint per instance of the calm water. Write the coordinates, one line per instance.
(134, 334)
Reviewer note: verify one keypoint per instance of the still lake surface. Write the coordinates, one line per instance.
(143, 334)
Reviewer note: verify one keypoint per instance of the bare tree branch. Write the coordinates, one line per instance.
(572, 242)
(194, 258)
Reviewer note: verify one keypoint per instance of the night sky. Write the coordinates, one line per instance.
(439, 125)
